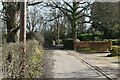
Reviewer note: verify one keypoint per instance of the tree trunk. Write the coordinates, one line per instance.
(58, 30)
(11, 36)
(11, 13)
(74, 30)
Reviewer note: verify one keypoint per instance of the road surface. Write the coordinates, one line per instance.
(72, 64)
(0, 63)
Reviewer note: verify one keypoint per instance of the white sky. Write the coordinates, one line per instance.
(0, 5)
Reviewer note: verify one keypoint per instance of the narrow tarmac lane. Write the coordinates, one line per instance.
(71, 64)
(68, 66)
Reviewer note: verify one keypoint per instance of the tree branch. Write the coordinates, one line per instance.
(64, 10)
(82, 22)
(84, 15)
(56, 17)
(83, 9)
(32, 4)
(62, 7)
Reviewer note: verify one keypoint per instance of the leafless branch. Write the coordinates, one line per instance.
(33, 4)
(56, 17)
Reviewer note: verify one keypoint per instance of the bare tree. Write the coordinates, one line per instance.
(35, 19)
(73, 11)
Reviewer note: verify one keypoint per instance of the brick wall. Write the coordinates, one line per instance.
(93, 45)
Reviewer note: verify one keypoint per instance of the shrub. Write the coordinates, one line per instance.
(116, 32)
(49, 37)
(36, 36)
(17, 64)
(118, 42)
(115, 51)
(68, 43)
(77, 40)
(59, 41)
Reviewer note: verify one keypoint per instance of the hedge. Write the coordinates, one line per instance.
(68, 43)
(99, 46)
(90, 37)
(114, 41)
(17, 64)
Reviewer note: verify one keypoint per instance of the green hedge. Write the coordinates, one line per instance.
(114, 41)
(68, 43)
(90, 37)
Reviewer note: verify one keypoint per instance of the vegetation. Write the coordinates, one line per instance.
(115, 51)
(51, 23)
(92, 51)
(116, 29)
(90, 37)
(36, 36)
(105, 18)
(114, 41)
(68, 43)
(74, 12)
(14, 59)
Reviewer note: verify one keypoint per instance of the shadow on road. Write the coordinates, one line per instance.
(57, 47)
(116, 62)
(86, 52)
